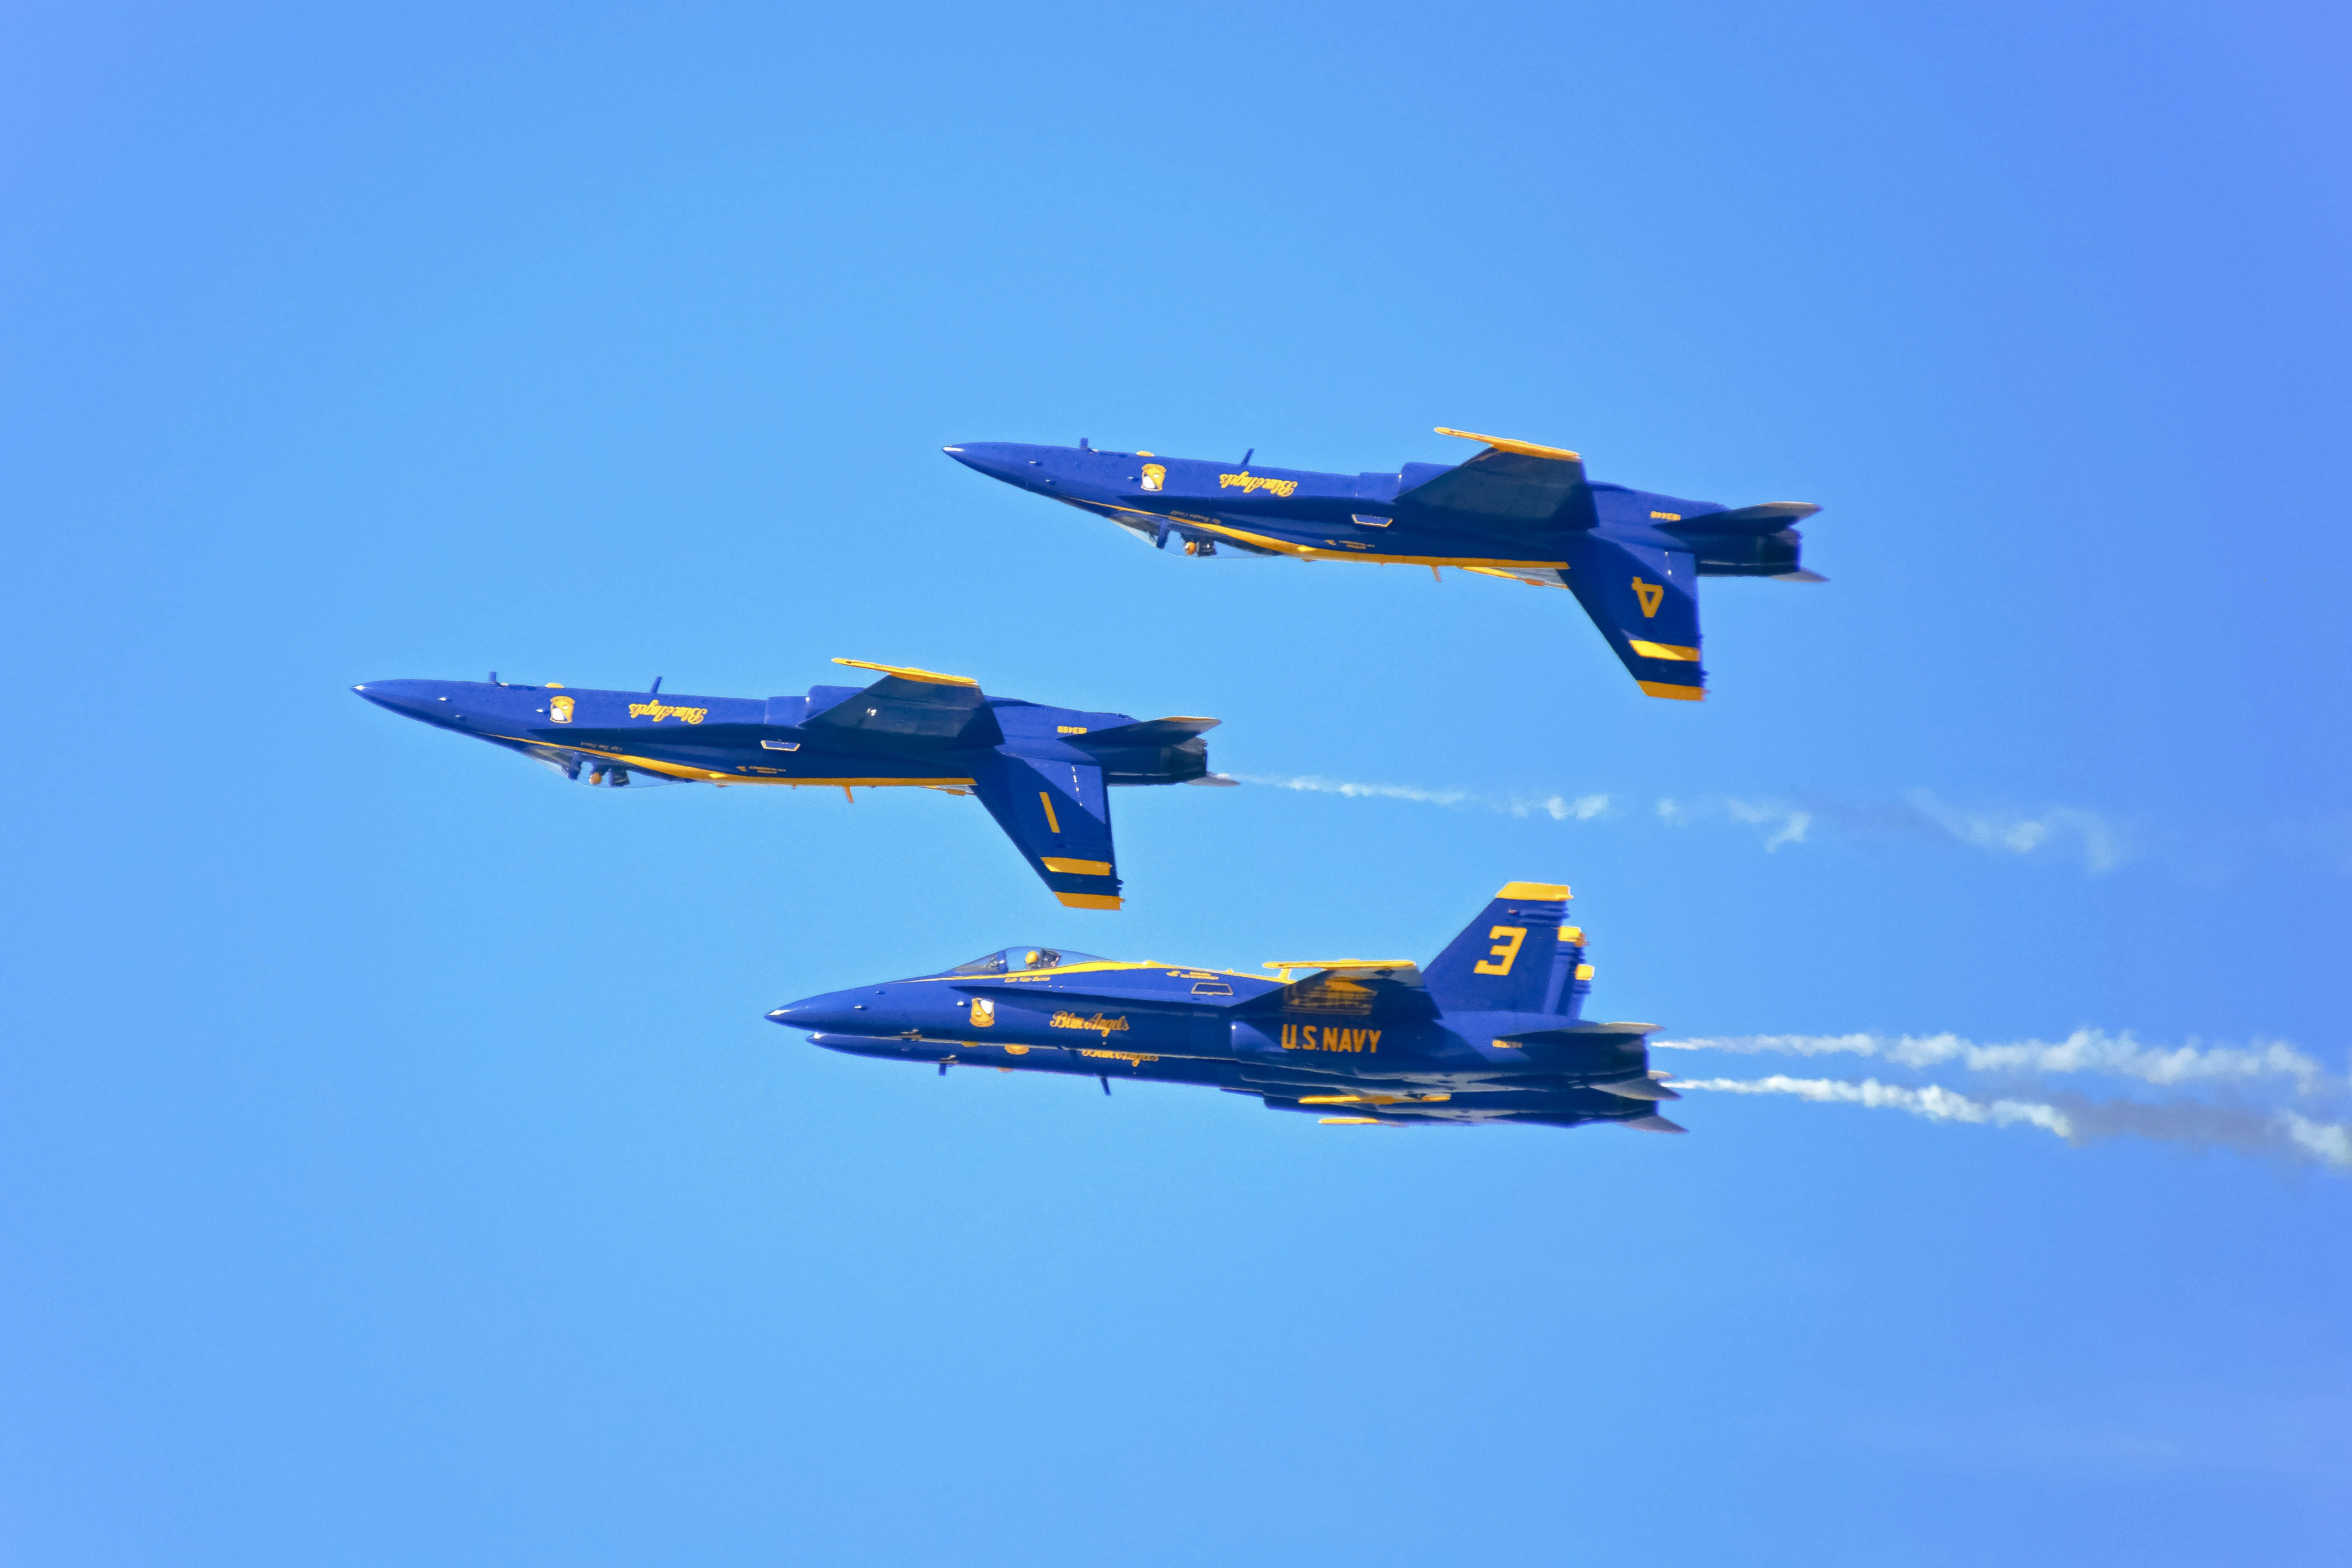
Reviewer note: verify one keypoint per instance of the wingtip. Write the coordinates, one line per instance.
(1505, 444)
(906, 672)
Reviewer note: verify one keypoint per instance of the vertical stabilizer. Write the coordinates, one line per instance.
(1507, 960)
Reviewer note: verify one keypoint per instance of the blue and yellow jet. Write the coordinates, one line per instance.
(1042, 773)
(1632, 558)
(1489, 1033)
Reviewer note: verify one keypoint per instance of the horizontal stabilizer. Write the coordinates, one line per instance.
(1638, 1089)
(1654, 1124)
(1768, 518)
(1147, 732)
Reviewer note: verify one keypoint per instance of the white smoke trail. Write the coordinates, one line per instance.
(1918, 815)
(1934, 1101)
(1789, 824)
(1559, 807)
(2101, 844)
(2284, 1134)
(1312, 785)
(1583, 808)
(2083, 1051)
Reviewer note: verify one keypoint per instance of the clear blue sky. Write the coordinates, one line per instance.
(394, 1165)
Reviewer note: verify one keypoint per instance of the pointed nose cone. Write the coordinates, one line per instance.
(836, 1012)
(409, 699)
(1013, 464)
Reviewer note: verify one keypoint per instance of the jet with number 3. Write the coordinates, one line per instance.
(1042, 773)
(1491, 1032)
(1633, 558)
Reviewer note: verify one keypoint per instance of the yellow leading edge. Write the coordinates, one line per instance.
(1525, 448)
(905, 673)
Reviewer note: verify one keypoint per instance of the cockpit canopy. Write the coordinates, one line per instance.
(1021, 960)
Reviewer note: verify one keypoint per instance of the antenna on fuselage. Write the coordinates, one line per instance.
(494, 677)
(1082, 445)
(1247, 456)
(657, 686)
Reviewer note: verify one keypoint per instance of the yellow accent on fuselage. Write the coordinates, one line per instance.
(1338, 964)
(705, 775)
(1309, 553)
(1664, 688)
(1075, 867)
(905, 673)
(1525, 448)
(1662, 650)
(1514, 577)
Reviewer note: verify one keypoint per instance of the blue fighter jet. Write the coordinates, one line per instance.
(1041, 772)
(1519, 510)
(1489, 1033)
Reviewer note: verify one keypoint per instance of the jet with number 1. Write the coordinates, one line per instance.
(1041, 772)
(1633, 558)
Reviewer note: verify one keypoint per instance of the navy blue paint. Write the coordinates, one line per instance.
(1494, 1047)
(894, 731)
(1522, 513)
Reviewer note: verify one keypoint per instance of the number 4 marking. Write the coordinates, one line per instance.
(1651, 595)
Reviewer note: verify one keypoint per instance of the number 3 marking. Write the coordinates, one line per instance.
(1504, 953)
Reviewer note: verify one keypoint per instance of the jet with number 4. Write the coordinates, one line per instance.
(1042, 773)
(1490, 1032)
(1633, 558)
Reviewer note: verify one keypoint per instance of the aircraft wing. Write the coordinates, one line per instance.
(1059, 815)
(1512, 486)
(1350, 987)
(1646, 601)
(912, 706)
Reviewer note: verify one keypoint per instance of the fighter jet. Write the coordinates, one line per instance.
(1517, 510)
(1041, 772)
(1489, 1033)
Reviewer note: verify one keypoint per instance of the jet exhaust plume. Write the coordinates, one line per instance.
(1920, 816)
(2083, 1051)
(2266, 1098)
(2285, 1135)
